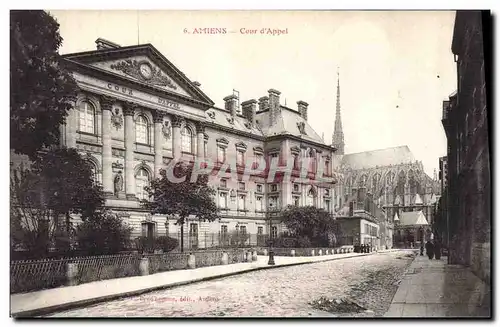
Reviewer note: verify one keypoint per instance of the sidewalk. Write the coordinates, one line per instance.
(433, 288)
(63, 298)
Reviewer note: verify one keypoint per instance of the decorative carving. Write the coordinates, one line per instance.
(200, 127)
(211, 114)
(166, 129)
(230, 120)
(205, 136)
(222, 141)
(117, 165)
(302, 127)
(132, 68)
(258, 149)
(241, 145)
(129, 108)
(158, 117)
(177, 121)
(118, 183)
(106, 102)
(117, 118)
(247, 125)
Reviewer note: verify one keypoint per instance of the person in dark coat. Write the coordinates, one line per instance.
(429, 248)
(437, 249)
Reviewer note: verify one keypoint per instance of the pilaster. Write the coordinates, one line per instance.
(107, 172)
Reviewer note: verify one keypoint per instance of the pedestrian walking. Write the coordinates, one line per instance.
(429, 248)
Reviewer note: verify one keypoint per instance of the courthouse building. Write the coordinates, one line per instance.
(136, 112)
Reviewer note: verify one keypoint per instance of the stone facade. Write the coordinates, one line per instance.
(392, 178)
(465, 120)
(136, 112)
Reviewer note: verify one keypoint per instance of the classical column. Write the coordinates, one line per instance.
(128, 111)
(107, 172)
(72, 127)
(158, 125)
(176, 136)
(200, 130)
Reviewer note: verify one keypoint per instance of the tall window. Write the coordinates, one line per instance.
(327, 205)
(296, 201)
(243, 229)
(296, 161)
(327, 168)
(240, 158)
(223, 229)
(260, 230)
(311, 197)
(86, 118)
(221, 154)
(241, 186)
(258, 159)
(241, 202)
(274, 232)
(186, 140)
(141, 181)
(148, 229)
(258, 203)
(142, 130)
(259, 188)
(223, 200)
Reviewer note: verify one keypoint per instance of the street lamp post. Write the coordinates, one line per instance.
(271, 253)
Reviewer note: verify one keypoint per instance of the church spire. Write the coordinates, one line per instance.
(338, 134)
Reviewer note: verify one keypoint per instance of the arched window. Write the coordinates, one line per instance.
(93, 171)
(375, 183)
(86, 122)
(312, 161)
(311, 197)
(187, 140)
(142, 130)
(390, 178)
(141, 181)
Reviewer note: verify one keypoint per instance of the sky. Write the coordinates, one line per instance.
(395, 67)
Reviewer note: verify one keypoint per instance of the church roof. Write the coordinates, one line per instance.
(382, 157)
(412, 218)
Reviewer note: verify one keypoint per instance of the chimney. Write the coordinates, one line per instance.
(274, 105)
(303, 109)
(230, 101)
(105, 44)
(263, 103)
(249, 110)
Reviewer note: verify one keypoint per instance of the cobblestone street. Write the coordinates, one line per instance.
(283, 292)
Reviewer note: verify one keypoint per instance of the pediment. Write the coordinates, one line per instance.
(142, 64)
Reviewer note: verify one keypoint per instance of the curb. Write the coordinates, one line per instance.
(87, 302)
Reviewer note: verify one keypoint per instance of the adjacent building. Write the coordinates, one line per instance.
(465, 121)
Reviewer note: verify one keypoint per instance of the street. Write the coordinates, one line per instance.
(370, 281)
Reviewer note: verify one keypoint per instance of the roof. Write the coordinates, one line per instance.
(383, 157)
(222, 117)
(412, 218)
(287, 122)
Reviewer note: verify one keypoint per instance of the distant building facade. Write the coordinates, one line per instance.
(136, 112)
(392, 177)
(465, 121)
